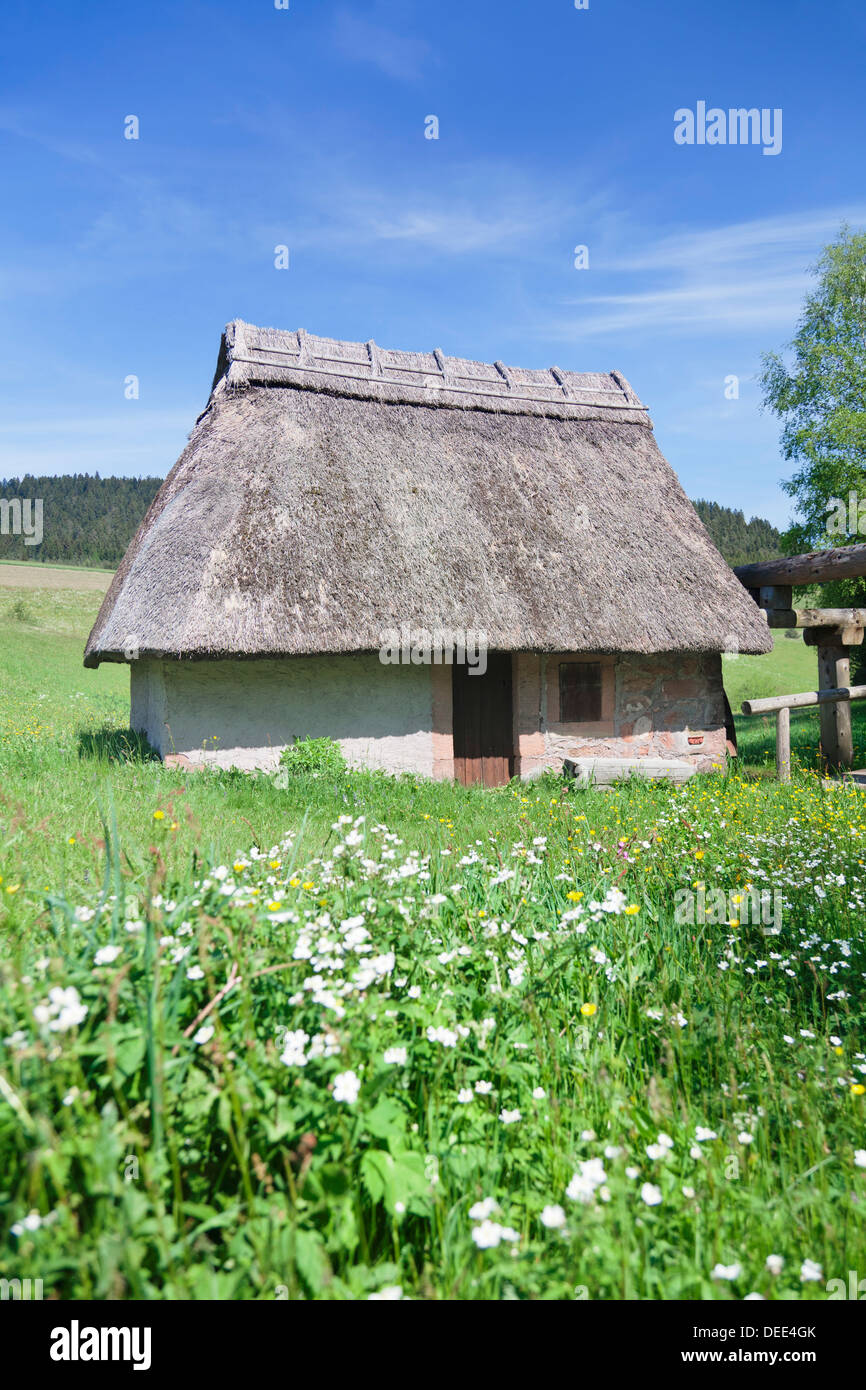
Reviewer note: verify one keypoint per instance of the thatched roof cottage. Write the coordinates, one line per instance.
(339, 507)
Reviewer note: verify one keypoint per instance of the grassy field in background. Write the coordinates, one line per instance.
(792, 666)
(355, 1036)
(39, 567)
(73, 578)
(44, 687)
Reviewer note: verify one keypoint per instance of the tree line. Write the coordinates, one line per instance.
(86, 520)
(740, 541)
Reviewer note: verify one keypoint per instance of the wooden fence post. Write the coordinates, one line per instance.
(834, 672)
(783, 744)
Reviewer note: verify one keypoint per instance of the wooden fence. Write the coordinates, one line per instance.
(832, 630)
(781, 706)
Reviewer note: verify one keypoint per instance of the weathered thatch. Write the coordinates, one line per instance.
(331, 491)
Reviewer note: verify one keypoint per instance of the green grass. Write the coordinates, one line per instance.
(57, 565)
(176, 1137)
(792, 666)
(44, 687)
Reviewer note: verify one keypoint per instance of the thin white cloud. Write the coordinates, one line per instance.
(798, 234)
(749, 275)
(30, 126)
(363, 41)
(468, 210)
(456, 228)
(759, 302)
(98, 424)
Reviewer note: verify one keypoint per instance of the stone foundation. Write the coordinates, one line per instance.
(670, 705)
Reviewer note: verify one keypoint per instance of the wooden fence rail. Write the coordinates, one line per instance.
(781, 706)
(848, 561)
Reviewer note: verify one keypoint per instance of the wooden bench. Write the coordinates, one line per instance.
(603, 772)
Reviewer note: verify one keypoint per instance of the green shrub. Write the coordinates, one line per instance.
(314, 756)
(20, 612)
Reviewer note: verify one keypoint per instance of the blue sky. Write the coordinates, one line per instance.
(305, 127)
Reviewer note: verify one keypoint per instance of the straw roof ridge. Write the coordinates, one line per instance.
(273, 357)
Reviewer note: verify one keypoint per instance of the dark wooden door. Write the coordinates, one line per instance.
(483, 731)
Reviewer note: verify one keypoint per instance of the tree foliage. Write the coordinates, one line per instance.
(820, 396)
(821, 399)
(739, 541)
(87, 520)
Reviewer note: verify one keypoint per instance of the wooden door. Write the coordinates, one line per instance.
(483, 731)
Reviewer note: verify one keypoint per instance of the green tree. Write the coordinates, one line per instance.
(821, 399)
(739, 541)
(821, 396)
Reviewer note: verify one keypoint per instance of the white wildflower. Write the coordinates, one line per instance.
(346, 1087)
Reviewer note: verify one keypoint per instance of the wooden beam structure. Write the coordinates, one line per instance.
(832, 630)
(783, 744)
(816, 617)
(818, 567)
(834, 673)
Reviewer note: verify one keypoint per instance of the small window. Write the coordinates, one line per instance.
(579, 692)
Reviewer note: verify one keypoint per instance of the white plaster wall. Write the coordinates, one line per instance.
(147, 701)
(243, 713)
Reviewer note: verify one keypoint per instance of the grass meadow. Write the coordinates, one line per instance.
(352, 1037)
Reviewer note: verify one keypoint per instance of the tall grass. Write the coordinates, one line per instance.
(353, 1036)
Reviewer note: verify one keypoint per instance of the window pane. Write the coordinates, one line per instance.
(579, 692)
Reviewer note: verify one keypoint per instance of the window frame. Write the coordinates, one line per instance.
(603, 727)
(586, 692)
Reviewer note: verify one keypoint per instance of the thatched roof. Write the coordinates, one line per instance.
(331, 491)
